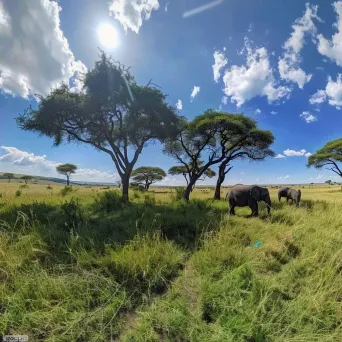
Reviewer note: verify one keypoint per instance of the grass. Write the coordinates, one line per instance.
(80, 266)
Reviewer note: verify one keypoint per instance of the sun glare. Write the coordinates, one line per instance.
(108, 35)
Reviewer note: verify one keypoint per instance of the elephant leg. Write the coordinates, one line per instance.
(287, 200)
(231, 207)
(254, 207)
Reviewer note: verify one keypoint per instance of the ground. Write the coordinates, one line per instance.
(78, 265)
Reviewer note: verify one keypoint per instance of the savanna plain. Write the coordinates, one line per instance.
(76, 264)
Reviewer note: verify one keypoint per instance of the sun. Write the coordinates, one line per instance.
(108, 35)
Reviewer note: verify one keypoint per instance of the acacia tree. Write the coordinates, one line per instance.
(329, 156)
(114, 114)
(26, 178)
(218, 136)
(9, 176)
(66, 170)
(147, 175)
(186, 172)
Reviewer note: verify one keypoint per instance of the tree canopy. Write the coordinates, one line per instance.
(9, 176)
(26, 178)
(329, 156)
(214, 137)
(114, 114)
(66, 170)
(148, 175)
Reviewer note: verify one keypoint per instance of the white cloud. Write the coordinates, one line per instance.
(293, 153)
(224, 100)
(194, 92)
(18, 161)
(333, 48)
(250, 27)
(131, 13)
(219, 62)
(274, 113)
(319, 97)
(308, 117)
(179, 105)
(35, 55)
(242, 83)
(289, 63)
(308, 154)
(332, 93)
(166, 6)
(279, 156)
(283, 177)
(257, 111)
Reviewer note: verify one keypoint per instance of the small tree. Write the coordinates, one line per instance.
(330, 182)
(218, 136)
(26, 178)
(329, 155)
(148, 175)
(66, 170)
(187, 171)
(9, 176)
(115, 115)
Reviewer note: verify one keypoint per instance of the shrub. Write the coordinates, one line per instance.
(137, 187)
(49, 187)
(66, 190)
(73, 212)
(136, 194)
(23, 186)
(179, 193)
(0, 195)
(18, 193)
(108, 201)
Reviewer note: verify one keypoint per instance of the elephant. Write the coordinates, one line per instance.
(248, 195)
(291, 194)
(282, 192)
(294, 195)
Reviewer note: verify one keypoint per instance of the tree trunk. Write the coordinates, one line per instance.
(125, 187)
(68, 182)
(217, 195)
(189, 188)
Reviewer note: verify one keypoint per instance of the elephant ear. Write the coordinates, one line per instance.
(255, 192)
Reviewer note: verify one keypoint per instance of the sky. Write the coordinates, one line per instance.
(278, 62)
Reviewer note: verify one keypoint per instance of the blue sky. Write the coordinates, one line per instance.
(276, 61)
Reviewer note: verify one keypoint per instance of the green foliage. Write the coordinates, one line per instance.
(9, 176)
(18, 193)
(108, 201)
(149, 199)
(330, 155)
(179, 192)
(148, 175)
(26, 178)
(115, 115)
(329, 182)
(73, 212)
(66, 169)
(49, 187)
(137, 187)
(66, 190)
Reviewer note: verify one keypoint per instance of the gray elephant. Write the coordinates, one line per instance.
(291, 194)
(248, 195)
(282, 192)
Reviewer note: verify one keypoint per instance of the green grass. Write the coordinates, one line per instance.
(81, 266)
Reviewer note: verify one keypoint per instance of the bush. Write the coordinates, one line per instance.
(73, 212)
(137, 187)
(23, 186)
(179, 193)
(18, 193)
(108, 201)
(66, 190)
(136, 194)
(49, 187)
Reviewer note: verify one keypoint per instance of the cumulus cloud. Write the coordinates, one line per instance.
(194, 92)
(219, 62)
(224, 100)
(283, 177)
(289, 63)
(308, 117)
(257, 111)
(179, 105)
(332, 93)
(319, 97)
(274, 113)
(131, 13)
(35, 55)
(19, 161)
(293, 153)
(279, 156)
(333, 48)
(243, 83)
